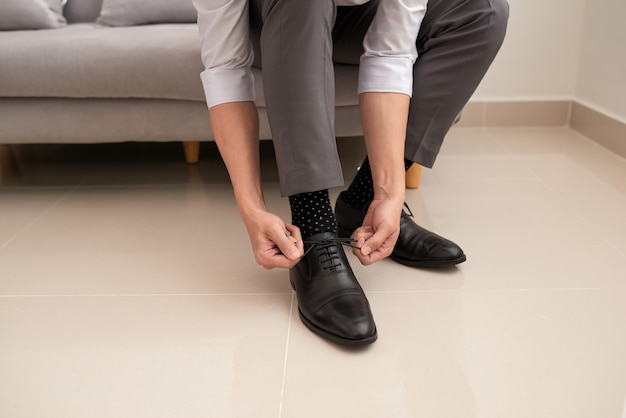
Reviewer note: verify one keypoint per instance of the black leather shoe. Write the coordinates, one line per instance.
(331, 303)
(416, 246)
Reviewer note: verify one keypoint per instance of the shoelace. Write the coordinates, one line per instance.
(408, 215)
(325, 246)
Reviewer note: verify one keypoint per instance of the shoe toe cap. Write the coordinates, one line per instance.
(446, 251)
(348, 316)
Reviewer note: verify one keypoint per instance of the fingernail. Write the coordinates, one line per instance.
(366, 250)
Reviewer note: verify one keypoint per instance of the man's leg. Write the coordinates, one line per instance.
(456, 44)
(298, 80)
(299, 88)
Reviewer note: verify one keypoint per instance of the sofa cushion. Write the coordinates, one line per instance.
(84, 60)
(76, 11)
(87, 60)
(139, 12)
(31, 14)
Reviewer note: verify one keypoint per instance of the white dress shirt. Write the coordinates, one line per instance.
(386, 65)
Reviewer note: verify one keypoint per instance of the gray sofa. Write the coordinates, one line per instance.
(84, 81)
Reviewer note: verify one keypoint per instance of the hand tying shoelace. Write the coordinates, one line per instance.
(323, 244)
(415, 246)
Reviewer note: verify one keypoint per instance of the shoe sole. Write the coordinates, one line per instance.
(428, 263)
(347, 342)
(346, 233)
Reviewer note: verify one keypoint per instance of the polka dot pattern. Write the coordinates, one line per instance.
(361, 190)
(312, 213)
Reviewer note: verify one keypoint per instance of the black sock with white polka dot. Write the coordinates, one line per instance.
(361, 190)
(312, 213)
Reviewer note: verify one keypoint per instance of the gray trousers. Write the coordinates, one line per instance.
(298, 41)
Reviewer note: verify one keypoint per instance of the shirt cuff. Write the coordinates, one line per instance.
(228, 85)
(386, 75)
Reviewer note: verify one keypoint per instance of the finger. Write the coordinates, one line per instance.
(366, 260)
(374, 241)
(383, 250)
(294, 231)
(380, 253)
(287, 246)
(361, 234)
(296, 237)
(280, 261)
(274, 259)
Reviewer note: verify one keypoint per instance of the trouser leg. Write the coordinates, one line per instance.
(299, 87)
(456, 43)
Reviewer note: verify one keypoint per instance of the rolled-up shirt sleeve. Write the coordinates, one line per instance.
(227, 54)
(390, 51)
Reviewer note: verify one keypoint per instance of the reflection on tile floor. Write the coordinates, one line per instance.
(127, 289)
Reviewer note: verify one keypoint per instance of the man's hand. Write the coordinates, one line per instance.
(380, 230)
(384, 117)
(274, 242)
(236, 129)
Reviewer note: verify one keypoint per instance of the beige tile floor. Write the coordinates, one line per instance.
(127, 289)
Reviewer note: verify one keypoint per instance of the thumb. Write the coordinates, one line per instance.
(289, 246)
(374, 241)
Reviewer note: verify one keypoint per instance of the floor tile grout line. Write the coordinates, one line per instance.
(502, 290)
(380, 292)
(96, 186)
(138, 295)
(501, 144)
(282, 386)
(38, 217)
(84, 185)
(38, 188)
(509, 152)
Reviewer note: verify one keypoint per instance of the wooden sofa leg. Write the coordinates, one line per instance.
(413, 176)
(9, 168)
(192, 151)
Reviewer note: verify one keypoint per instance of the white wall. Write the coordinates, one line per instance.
(562, 49)
(602, 67)
(540, 55)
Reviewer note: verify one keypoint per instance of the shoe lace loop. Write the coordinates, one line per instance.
(327, 248)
